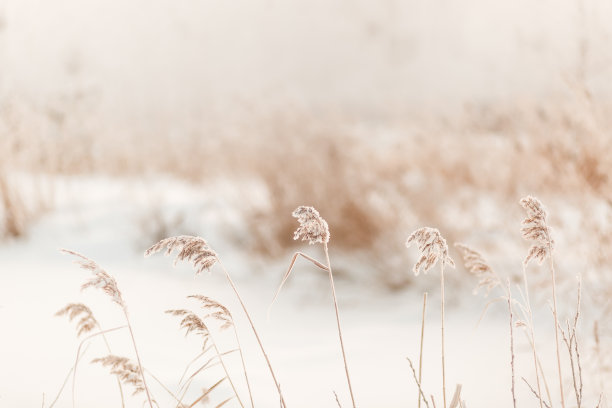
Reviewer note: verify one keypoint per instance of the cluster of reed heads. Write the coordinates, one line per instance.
(210, 317)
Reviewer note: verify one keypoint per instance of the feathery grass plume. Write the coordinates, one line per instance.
(536, 229)
(103, 280)
(218, 311)
(433, 249)
(476, 265)
(197, 251)
(86, 323)
(192, 323)
(313, 228)
(126, 370)
(190, 249)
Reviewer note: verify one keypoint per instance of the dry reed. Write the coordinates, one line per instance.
(314, 229)
(196, 251)
(102, 280)
(536, 230)
(433, 249)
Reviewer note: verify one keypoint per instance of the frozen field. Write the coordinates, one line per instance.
(99, 218)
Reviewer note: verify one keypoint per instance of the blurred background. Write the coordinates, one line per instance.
(122, 123)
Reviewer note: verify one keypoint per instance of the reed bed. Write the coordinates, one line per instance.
(210, 318)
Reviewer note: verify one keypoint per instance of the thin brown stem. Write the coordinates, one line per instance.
(442, 318)
(76, 361)
(538, 396)
(552, 273)
(286, 275)
(118, 379)
(418, 383)
(144, 381)
(511, 343)
(204, 394)
(225, 369)
(421, 347)
(246, 376)
(532, 334)
(331, 282)
(248, 316)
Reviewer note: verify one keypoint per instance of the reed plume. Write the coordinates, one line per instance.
(314, 229)
(196, 251)
(104, 281)
(433, 249)
(536, 230)
(125, 369)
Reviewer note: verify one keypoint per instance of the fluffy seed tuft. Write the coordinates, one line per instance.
(101, 279)
(87, 322)
(536, 229)
(476, 265)
(313, 228)
(125, 369)
(190, 249)
(433, 248)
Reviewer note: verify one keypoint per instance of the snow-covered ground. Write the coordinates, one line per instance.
(103, 219)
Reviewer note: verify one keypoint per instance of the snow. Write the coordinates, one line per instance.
(99, 217)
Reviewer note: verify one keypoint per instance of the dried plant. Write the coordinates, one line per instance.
(197, 251)
(126, 370)
(476, 265)
(191, 249)
(433, 249)
(86, 323)
(314, 229)
(192, 323)
(536, 229)
(108, 284)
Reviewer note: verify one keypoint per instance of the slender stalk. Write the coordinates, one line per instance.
(331, 281)
(248, 316)
(225, 368)
(144, 381)
(421, 347)
(418, 382)
(78, 355)
(246, 377)
(511, 343)
(118, 380)
(532, 341)
(442, 317)
(552, 273)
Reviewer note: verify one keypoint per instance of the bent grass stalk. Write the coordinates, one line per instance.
(314, 229)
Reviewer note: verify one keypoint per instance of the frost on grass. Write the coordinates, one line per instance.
(190, 249)
(536, 230)
(313, 228)
(432, 247)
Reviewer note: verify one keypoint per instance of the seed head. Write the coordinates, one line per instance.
(313, 228)
(432, 247)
